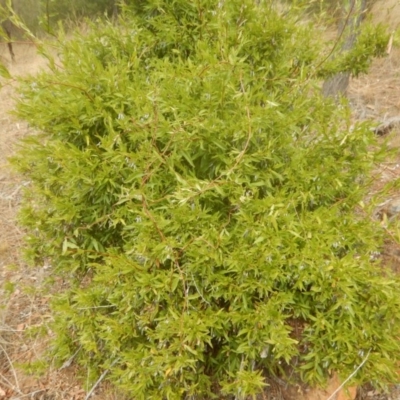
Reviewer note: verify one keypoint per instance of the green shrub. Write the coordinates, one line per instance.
(200, 198)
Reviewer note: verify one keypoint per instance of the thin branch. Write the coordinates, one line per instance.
(148, 213)
(69, 361)
(7, 383)
(32, 394)
(339, 37)
(102, 376)
(12, 369)
(84, 91)
(349, 377)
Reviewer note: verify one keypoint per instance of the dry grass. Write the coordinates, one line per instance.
(376, 95)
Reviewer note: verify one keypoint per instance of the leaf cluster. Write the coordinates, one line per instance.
(370, 42)
(200, 198)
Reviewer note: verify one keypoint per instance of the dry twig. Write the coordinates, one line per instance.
(349, 377)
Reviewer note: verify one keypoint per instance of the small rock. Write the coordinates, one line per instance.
(391, 209)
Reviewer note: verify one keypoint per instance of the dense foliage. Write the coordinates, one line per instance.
(202, 203)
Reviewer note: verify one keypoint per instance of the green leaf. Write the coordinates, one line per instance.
(4, 73)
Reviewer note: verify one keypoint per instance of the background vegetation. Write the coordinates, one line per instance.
(54, 11)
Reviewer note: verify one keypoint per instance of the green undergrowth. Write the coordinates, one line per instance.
(204, 205)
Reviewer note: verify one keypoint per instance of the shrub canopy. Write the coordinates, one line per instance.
(202, 201)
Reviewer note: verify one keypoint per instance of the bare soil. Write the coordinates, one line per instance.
(24, 308)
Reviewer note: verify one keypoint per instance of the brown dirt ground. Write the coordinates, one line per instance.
(373, 97)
